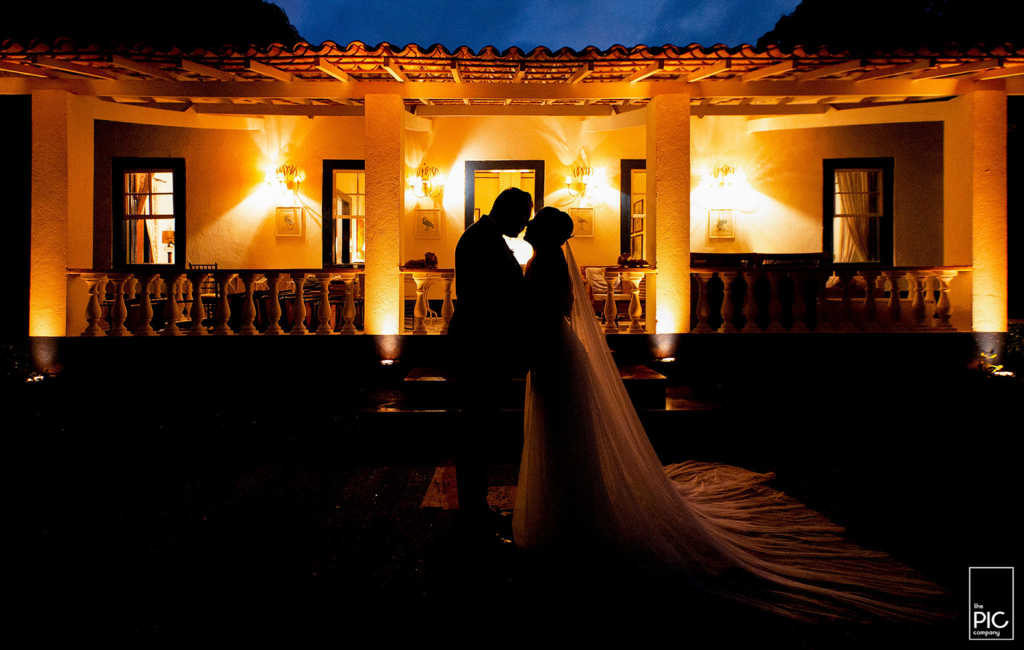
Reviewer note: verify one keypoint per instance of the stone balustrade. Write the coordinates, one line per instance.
(270, 302)
(823, 299)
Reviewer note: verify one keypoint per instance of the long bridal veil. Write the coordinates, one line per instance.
(589, 478)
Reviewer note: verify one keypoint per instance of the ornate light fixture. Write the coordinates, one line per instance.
(427, 181)
(288, 178)
(576, 183)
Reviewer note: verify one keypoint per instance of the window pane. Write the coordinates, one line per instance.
(855, 240)
(163, 205)
(163, 182)
(149, 241)
(136, 204)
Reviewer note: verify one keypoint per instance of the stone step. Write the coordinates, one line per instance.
(431, 388)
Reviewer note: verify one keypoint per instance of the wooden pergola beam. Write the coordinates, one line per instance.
(27, 70)
(207, 71)
(768, 71)
(649, 71)
(829, 70)
(453, 67)
(709, 71)
(1003, 73)
(142, 68)
(75, 68)
(394, 70)
(581, 73)
(519, 73)
(331, 70)
(268, 71)
(954, 70)
(896, 70)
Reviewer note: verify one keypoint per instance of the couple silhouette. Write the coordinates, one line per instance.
(591, 489)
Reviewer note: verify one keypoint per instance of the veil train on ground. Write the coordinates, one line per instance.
(589, 477)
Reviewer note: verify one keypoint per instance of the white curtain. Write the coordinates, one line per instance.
(850, 236)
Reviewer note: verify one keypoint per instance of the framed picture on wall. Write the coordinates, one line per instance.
(583, 222)
(636, 225)
(428, 224)
(636, 247)
(289, 222)
(721, 224)
(638, 207)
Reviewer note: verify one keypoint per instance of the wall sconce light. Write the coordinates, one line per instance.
(725, 188)
(427, 181)
(576, 183)
(288, 177)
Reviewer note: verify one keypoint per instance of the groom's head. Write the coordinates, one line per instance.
(511, 211)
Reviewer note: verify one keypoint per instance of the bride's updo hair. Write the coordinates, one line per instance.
(550, 226)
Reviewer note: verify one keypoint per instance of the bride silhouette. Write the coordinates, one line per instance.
(590, 483)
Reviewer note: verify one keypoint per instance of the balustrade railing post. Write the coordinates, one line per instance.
(636, 310)
(894, 310)
(799, 306)
(118, 311)
(846, 323)
(274, 305)
(349, 312)
(728, 309)
(750, 302)
(323, 312)
(611, 312)
(146, 306)
(179, 297)
(419, 310)
(96, 282)
(774, 302)
(171, 310)
(703, 309)
(944, 308)
(223, 306)
(248, 306)
(916, 286)
(448, 307)
(929, 299)
(823, 318)
(299, 308)
(198, 310)
(870, 310)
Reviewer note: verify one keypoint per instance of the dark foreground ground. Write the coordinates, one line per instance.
(185, 512)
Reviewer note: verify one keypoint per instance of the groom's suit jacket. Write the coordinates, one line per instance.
(486, 327)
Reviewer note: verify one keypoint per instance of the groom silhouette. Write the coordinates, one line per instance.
(481, 336)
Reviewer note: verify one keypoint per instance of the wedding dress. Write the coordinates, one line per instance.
(589, 479)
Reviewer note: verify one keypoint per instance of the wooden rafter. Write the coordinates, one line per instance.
(453, 68)
(331, 70)
(768, 71)
(142, 68)
(207, 71)
(953, 70)
(519, 73)
(830, 70)
(582, 73)
(394, 69)
(896, 70)
(27, 70)
(709, 71)
(75, 68)
(1003, 73)
(268, 70)
(649, 71)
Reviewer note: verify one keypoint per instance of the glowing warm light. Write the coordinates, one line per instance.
(577, 182)
(387, 362)
(427, 181)
(668, 359)
(520, 248)
(725, 188)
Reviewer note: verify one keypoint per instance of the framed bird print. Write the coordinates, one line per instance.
(721, 224)
(428, 224)
(583, 222)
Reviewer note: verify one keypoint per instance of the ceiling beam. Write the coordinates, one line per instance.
(331, 70)
(895, 70)
(1003, 73)
(453, 67)
(710, 71)
(27, 70)
(768, 71)
(582, 73)
(519, 74)
(953, 70)
(207, 71)
(268, 71)
(278, 109)
(649, 71)
(142, 68)
(394, 69)
(829, 70)
(75, 68)
(761, 109)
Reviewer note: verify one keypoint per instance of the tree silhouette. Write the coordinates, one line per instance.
(869, 26)
(186, 24)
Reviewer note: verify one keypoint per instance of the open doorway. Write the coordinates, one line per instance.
(485, 179)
